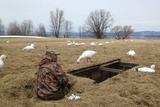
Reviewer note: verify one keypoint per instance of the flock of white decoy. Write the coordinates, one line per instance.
(73, 43)
(88, 54)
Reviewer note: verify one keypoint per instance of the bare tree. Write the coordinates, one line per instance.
(57, 20)
(117, 30)
(41, 30)
(127, 30)
(1, 28)
(26, 27)
(14, 28)
(98, 22)
(122, 32)
(81, 31)
(67, 29)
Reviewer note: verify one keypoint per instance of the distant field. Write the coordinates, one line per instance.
(129, 89)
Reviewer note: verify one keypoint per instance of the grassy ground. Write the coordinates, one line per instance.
(129, 89)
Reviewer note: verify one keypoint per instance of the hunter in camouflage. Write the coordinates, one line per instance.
(52, 82)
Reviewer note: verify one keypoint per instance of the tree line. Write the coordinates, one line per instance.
(97, 23)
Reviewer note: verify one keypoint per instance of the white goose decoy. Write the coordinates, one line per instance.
(69, 44)
(77, 44)
(131, 54)
(82, 43)
(29, 47)
(147, 69)
(88, 54)
(107, 42)
(100, 44)
(2, 57)
(7, 41)
(93, 44)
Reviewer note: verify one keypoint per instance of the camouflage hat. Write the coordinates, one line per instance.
(51, 52)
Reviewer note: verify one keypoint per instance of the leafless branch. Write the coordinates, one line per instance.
(98, 22)
(57, 20)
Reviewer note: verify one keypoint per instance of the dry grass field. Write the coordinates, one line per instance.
(128, 89)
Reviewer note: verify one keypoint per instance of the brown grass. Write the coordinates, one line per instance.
(129, 89)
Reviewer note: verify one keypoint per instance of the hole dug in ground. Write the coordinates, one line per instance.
(101, 72)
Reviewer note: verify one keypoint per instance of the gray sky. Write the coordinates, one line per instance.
(141, 14)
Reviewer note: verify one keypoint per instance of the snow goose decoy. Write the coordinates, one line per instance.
(2, 57)
(147, 69)
(131, 54)
(29, 47)
(7, 41)
(100, 44)
(107, 42)
(88, 54)
(93, 44)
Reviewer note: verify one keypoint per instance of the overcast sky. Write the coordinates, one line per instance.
(141, 14)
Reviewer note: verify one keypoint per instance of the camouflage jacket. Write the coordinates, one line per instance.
(49, 78)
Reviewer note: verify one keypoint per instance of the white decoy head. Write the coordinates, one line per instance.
(3, 56)
(32, 45)
(153, 67)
